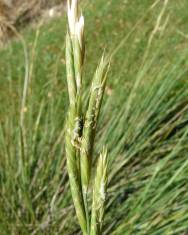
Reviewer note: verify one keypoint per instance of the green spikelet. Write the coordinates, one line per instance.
(72, 166)
(99, 194)
(92, 114)
(71, 82)
(78, 62)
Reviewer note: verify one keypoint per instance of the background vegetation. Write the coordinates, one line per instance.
(143, 121)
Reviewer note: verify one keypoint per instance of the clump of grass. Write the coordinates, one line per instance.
(81, 128)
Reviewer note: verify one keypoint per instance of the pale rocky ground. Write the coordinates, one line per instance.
(18, 13)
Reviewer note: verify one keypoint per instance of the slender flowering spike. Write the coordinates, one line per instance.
(79, 134)
(72, 13)
(92, 114)
(88, 136)
(99, 194)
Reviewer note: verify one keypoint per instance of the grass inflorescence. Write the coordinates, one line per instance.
(81, 128)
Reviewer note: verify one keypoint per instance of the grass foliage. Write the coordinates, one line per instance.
(143, 121)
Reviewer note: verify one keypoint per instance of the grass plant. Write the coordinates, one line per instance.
(81, 128)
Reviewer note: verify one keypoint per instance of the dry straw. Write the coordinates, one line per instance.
(81, 128)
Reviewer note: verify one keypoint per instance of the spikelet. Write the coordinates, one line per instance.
(92, 114)
(99, 194)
